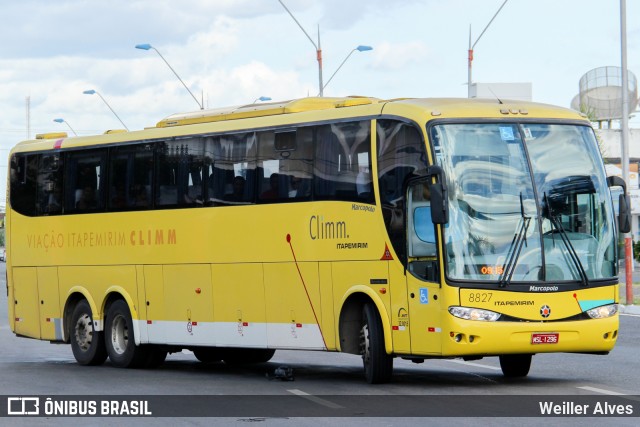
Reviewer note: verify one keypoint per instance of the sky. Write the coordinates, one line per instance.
(231, 52)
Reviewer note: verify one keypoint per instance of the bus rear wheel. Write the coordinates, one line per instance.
(87, 344)
(121, 347)
(515, 365)
(378, 365)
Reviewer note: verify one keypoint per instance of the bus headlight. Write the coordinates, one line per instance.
(468, 313)
(603, 311)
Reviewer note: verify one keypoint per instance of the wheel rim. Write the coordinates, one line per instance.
(84, 332)
(119, 334)
(364, 345)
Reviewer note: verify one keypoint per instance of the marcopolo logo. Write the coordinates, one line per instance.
(534, 288)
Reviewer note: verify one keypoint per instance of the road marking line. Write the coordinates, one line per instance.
(315, 399)
(478, 365)
(602, 391)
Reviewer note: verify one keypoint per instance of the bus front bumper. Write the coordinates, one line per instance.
(483, 338)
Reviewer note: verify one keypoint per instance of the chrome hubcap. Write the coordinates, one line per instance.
(84, 332)
(119, 334)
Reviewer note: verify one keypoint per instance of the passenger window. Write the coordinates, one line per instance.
(181, 164)
(231, 169)
(85, 181)
(23, 183)
(343, 162)
(401, 154)
(285, 165)
(50, 190)
(130, 173)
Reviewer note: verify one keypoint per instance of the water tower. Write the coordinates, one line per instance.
(600, 94)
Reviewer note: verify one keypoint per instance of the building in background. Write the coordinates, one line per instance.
(516, 91)
(600, 98)
(611, 152)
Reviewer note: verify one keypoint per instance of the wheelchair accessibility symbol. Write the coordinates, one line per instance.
(424, 296)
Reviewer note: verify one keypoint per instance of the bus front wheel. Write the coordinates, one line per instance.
(121, 347)
(378, 365)
(515, 365)
(87, 344)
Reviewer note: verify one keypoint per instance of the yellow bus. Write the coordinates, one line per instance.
(411, 228)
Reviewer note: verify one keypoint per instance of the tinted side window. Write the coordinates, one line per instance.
(343, 162)
(130, 177)
(23, 183)
(285, 163)
(84, 177)
(181, 164)
(401, 154)
(231, 176)
(50, 187)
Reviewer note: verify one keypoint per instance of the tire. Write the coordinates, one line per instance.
(87, 344)
(245, 356)
(208, 355)
(121, 347)
(378, 365)
(515, 365)
(155, 357)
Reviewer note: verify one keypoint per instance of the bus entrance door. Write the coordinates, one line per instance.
(415, 306)
(424, 312)
(422, 272)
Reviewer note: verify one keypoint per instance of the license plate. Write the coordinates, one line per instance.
(545, 338)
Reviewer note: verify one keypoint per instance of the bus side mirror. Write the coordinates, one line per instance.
(624, 205)
(624, 215)
(439, 210)
(438, 194)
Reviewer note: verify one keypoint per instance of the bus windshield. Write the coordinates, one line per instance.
(527, 203)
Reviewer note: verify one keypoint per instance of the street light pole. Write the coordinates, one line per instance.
(67, 123)
(147, 46)
(360, 48)
(624, 139)
(319, 58)
(472, 46)
(92, 92)
(316, 46)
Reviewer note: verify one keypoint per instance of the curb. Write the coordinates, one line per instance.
(630, 309)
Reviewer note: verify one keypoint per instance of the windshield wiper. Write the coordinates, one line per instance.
(553, 219)
(519, 238)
